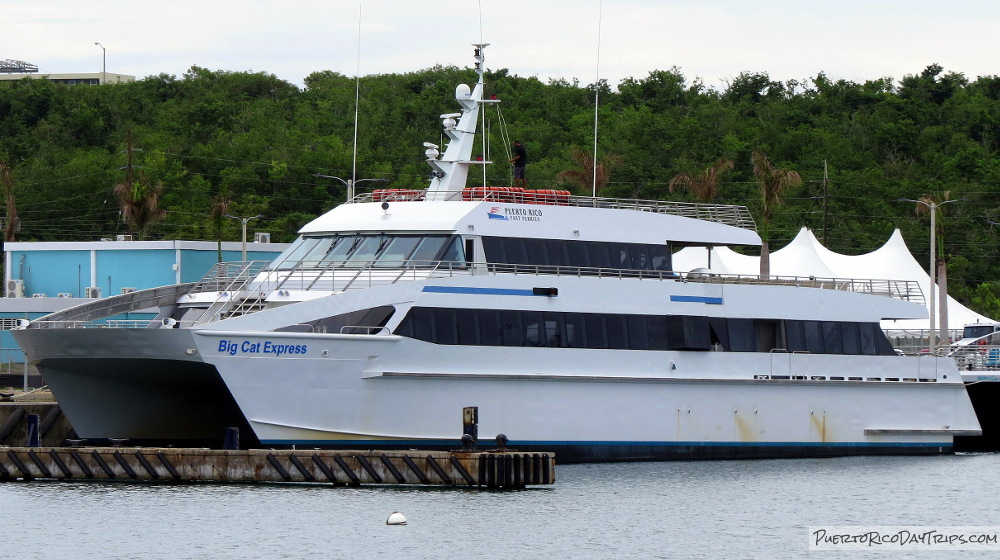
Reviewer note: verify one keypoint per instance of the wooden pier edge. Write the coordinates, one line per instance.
(485, 469)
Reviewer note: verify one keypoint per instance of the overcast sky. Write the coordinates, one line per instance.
(713, 40)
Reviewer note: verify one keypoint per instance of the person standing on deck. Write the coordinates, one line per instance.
(519, 160)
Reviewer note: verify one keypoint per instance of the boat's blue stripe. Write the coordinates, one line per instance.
(697, 299)
(478, 291)
(418, 443)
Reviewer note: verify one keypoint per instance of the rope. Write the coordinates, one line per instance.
(505, 138)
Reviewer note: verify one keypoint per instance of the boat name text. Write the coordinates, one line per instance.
(523, 214)
(233, 347)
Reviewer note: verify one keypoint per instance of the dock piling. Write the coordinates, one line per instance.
(34, 439)
(491, 470)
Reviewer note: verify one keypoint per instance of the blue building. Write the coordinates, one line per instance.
(44, 277)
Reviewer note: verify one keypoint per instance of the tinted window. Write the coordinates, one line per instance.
(813, 332)
(852, 338)
(454, 253)
(427, 250)
(656, 326)
(620, 257)
(741, 335)
(534, 333)
(576, 333)
(597, 334)
(340, 251)
(535, 249)
(640, 257)
(599, 256)
(468, 326)
(660, 257)
(396, 251)
(445, 327)
(557, 253)
(423, 322)
(833, 340)
(720, 332)
(697, 334)
(578, 255)
(494, 249)
(617, 331)
(794, 336)
(554, 334)
(363, 321)
(366, 250)
(868, 333)
(510, 328)
(489, 327)
(516, 253)
(638, 337)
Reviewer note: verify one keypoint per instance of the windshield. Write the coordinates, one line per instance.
(379, 250)
(976, 331)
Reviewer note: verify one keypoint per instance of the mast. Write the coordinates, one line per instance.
(450, 171)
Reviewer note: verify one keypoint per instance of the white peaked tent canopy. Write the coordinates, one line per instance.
(805, 256)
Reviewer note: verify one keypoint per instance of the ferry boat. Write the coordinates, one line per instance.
(558, 316)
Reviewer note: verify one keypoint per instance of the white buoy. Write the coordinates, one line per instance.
(395, 518)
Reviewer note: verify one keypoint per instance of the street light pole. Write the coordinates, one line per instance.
(104, 63)
(349, 183)
(244, 220)
(933, 206)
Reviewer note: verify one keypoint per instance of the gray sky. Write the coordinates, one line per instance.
(713, 40)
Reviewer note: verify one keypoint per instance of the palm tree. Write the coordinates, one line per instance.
(10, 226)
(703, 185)
(220, 207)
(585, 174)
(773, 181)
(140, 205)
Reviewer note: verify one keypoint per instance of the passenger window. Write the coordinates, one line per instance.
(852, 338)
(454, 255)
(396, 251)
(426, 250)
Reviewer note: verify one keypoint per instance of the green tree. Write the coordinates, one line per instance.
(772, 182)
(585, 174)
(704, 185)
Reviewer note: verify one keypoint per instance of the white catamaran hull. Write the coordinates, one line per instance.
(349, 390)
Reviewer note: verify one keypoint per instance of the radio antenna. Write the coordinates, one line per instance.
(597, 92)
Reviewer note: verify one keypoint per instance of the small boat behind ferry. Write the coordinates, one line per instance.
(560, 317)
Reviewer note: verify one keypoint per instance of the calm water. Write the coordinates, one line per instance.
(719, 509)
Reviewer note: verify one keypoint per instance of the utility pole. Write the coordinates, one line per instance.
(826, 180)
(244, 220)
(104, 63)
(129, 148)
(349, 183)
(932, 206)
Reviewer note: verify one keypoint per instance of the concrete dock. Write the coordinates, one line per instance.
(491, 470)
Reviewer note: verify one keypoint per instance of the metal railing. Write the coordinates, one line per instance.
(727, 214)
(85, 315)
(241, 288)
(916, 342)
(975, 357)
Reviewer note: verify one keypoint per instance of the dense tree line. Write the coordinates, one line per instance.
(211, 143)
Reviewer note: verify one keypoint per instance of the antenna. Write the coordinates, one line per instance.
(597, 91)
(481, 22)
(485, 131)
(357, 96)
